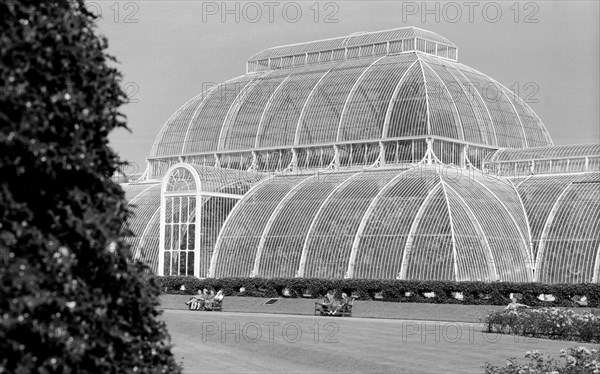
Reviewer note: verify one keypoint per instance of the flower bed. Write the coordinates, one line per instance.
(435, 292)
(578, 360)
(550, 323)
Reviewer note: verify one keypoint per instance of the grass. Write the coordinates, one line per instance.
(226, 342)
(361, 309)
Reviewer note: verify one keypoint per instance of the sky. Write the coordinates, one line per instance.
(169, 51)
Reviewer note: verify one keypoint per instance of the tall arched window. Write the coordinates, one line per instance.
(195, 202)
(179, 213)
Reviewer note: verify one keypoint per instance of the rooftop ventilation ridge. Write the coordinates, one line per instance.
(353, 46)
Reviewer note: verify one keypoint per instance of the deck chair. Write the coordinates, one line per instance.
(215, 305)
(194, 304)
(321, 309)
(218, 305)
(346, 310)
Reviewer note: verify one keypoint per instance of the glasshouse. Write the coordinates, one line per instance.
(375, 155)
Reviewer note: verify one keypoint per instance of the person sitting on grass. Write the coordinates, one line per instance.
(340, 304)
(209, 304)
(327, 301)
(513, 305)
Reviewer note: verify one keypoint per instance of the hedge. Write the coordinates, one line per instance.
(575, 360)
(444, 292)
(546, 323)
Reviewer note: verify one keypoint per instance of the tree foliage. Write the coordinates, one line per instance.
(71, 299)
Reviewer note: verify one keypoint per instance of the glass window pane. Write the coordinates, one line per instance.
(175, 242)
(183, 239)
(174, 263)
(168, 237)
(184, 209)
(191, 236)
(176, 209)
(190, 263)
(182, 263)
(167, 265)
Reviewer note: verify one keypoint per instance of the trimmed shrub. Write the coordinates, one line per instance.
(549, 323)
(71, 299)
(577, 360)
(473, 293)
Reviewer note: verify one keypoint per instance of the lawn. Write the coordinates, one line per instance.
(225, 342)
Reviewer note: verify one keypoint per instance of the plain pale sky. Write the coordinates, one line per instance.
(170, 51)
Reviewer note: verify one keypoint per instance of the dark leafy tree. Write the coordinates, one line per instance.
(71, 299)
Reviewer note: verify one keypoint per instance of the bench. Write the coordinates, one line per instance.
(345, 311)
(321, 309)
(194, 304)
(217, 305)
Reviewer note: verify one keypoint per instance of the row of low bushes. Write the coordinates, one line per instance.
(549, 323)
(437, 292)
(577, 360)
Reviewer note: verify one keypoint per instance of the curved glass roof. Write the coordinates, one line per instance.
(564, 216)
(420, 223)
(144, 200)
(370, 99)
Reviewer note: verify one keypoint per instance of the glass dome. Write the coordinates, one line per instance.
(367, 97)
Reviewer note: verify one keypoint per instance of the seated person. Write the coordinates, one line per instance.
(513, 305)
(197, 302)
(327, 301)
(340, 304)
(209, 304)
